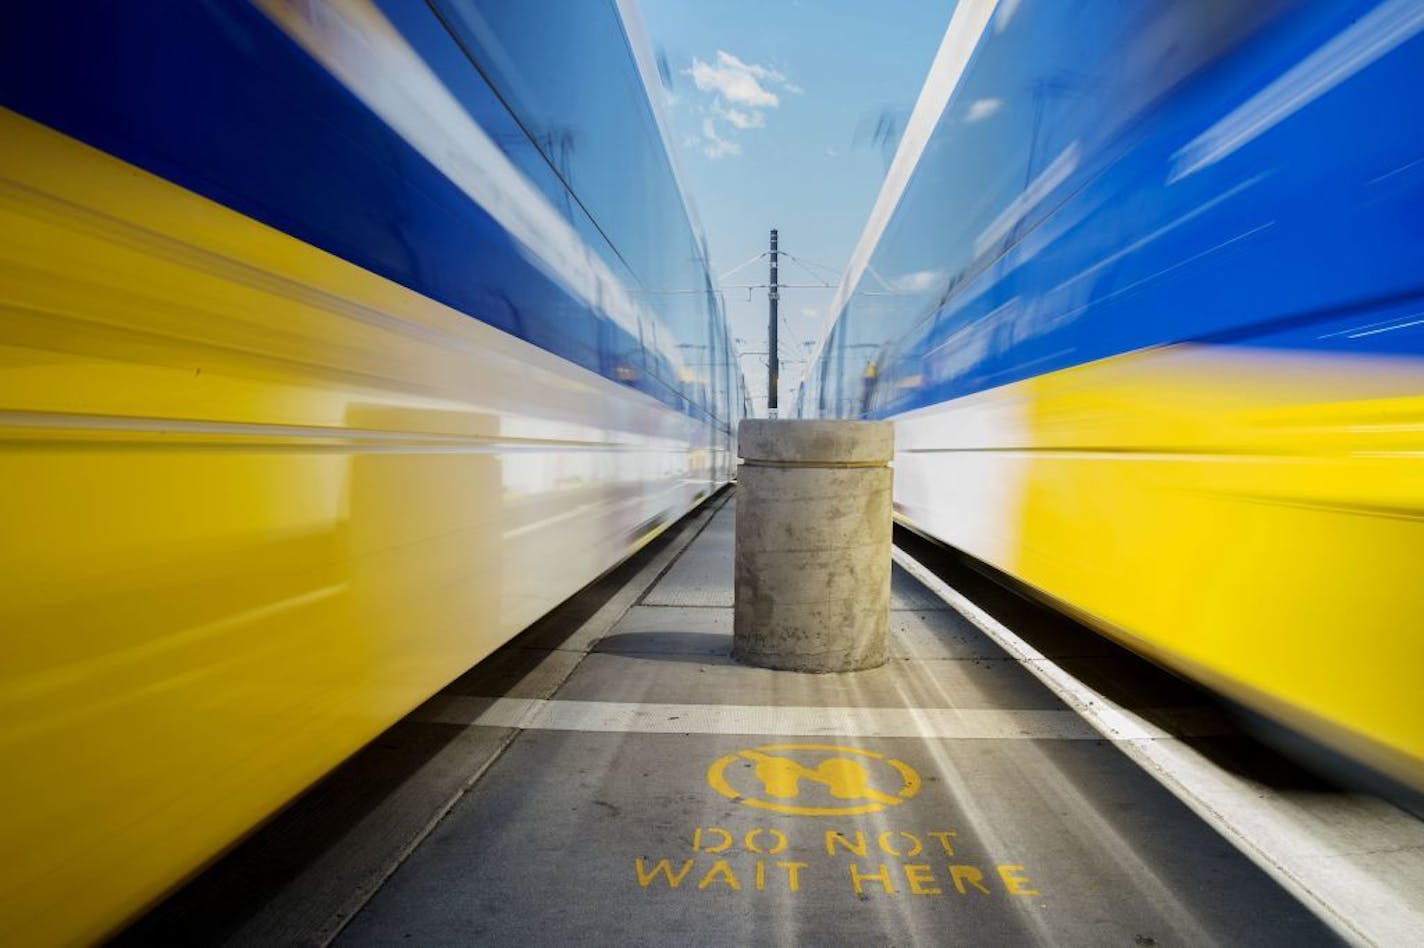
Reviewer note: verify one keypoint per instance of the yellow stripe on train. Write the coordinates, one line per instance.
(1251, 517)
(257, 504)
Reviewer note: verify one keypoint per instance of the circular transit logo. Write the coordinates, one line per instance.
(813, 779)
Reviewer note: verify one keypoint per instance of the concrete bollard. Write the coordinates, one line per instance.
(813, 544)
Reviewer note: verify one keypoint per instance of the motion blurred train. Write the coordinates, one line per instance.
(341, 339)
(1144, 295)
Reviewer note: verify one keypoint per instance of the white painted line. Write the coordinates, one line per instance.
(617, 717)
(1355, 861)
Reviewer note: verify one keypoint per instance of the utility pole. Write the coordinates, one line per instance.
(773, 363)
(774, 286)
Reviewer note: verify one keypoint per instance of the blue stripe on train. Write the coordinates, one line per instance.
(1308, 236)
(213, 97)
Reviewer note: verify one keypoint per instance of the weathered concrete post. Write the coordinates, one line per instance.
(813, 544)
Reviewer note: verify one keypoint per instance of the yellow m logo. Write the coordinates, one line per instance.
(817, 777)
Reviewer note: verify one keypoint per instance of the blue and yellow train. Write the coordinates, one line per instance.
(1144, 296)
(339, 340)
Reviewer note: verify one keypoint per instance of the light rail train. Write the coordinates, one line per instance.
(1144, 295)
(339, 341)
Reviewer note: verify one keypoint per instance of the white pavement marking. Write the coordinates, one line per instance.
(926, 723)
(1355, 861)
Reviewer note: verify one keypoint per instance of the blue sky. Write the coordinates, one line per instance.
(774, 107)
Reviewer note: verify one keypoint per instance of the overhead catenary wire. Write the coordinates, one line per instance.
(805, 265)
(808, 264)
(828, 278)
(762, 286)
(746, 263)
(814, 275)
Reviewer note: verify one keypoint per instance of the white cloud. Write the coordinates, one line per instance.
(981, 109)
(734, 80)
(761, 72)
(714, 146)
(740, 92)
(739, 119)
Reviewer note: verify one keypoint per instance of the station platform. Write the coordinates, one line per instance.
(613, 777)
